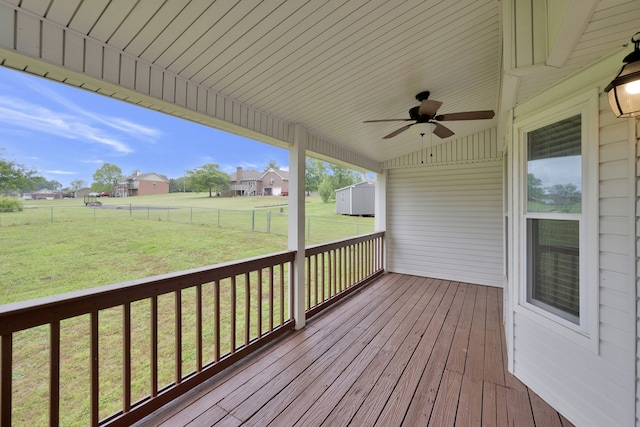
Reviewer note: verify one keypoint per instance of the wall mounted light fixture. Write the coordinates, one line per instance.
(624, 90)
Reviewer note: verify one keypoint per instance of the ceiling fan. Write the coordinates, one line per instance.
(426, 113)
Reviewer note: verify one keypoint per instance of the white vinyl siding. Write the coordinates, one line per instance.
(446, 222)
(595, 384)
(637, 302)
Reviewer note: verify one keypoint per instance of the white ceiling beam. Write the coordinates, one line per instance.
(573, 25)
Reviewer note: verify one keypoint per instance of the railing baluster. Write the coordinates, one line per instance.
(260, 300)
(154, 346)
(271, 299)
(95, 370)
(247, 307)
(178, 336)
(126, 357)
(198, 328)
(233, 314)
(282, 294)
(308, 280)
(291, 292)
(322, 276)
(216, 320)
(332, 272)
(54, 374)
(6, 373)
(316, 283)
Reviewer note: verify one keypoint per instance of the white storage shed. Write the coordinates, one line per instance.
(357, 199)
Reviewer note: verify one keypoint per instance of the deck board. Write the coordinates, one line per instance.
(405, 350)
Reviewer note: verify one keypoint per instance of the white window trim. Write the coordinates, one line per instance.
(586, 333)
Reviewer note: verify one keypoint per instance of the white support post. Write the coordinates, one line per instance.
(380, 221)
(297, 157)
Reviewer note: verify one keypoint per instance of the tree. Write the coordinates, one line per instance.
(326, 190)
(340, 177)
(315, 171)
(208, 177)
(179, 185)
(15, 177)
(272, 165)
(534, 186)
(564, 190)
(77, 184)
(41, 183)
(106, 178)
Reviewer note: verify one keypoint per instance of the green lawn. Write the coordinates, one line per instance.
(54, 247)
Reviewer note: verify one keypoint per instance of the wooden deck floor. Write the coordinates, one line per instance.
(404, 351)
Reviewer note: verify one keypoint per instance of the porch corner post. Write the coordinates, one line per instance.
(297, 157)
(380, 221)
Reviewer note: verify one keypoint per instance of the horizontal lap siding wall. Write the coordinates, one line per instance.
(446, 222)
(592, 387)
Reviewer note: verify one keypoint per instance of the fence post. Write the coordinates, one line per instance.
(94, 213)
(268, 221)
(218, 217)
(51, 214)
(253, 220)
(148, 212)
(167, 213)
(191, 217)
(130, 210)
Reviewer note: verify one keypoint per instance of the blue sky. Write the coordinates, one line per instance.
(67, 133)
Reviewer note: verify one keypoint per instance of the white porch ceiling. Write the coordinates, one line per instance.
(329, 65)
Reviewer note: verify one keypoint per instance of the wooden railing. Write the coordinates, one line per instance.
(113, 354)
(335, 269)
(141, 343)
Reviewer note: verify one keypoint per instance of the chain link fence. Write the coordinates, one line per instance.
(263, 221)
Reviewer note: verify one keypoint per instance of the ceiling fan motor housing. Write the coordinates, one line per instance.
(414, 114)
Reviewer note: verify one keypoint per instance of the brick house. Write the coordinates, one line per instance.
(143, 184)
(272, 182)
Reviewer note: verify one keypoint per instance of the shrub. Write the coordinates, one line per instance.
(10, 204)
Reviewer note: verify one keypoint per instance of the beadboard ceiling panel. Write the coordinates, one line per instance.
(327, 65)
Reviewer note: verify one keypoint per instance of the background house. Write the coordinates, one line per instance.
(143, 184)
(245, 182)
(357, 199)
(44, 194)
(250, 182)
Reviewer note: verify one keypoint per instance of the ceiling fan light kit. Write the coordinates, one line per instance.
(426, 121)
(624, 90)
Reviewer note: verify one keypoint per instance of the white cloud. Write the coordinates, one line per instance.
(59, 172)
(133, 130)
(18, 113)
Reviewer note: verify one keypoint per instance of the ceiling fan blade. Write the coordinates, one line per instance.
(387, 120)
(467, 115)
(429, 107)
(396, 132)
(442, 131)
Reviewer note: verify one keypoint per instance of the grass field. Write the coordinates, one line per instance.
(57, 246)
(60, 246)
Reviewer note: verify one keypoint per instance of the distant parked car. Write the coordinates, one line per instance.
(104, 194)
(94, 194)
(284, 193)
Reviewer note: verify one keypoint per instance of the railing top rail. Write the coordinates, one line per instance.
(325, 247)
(41, 311)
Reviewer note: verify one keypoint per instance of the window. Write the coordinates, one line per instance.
(555, 218)
(553, 215)
(271, 180)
